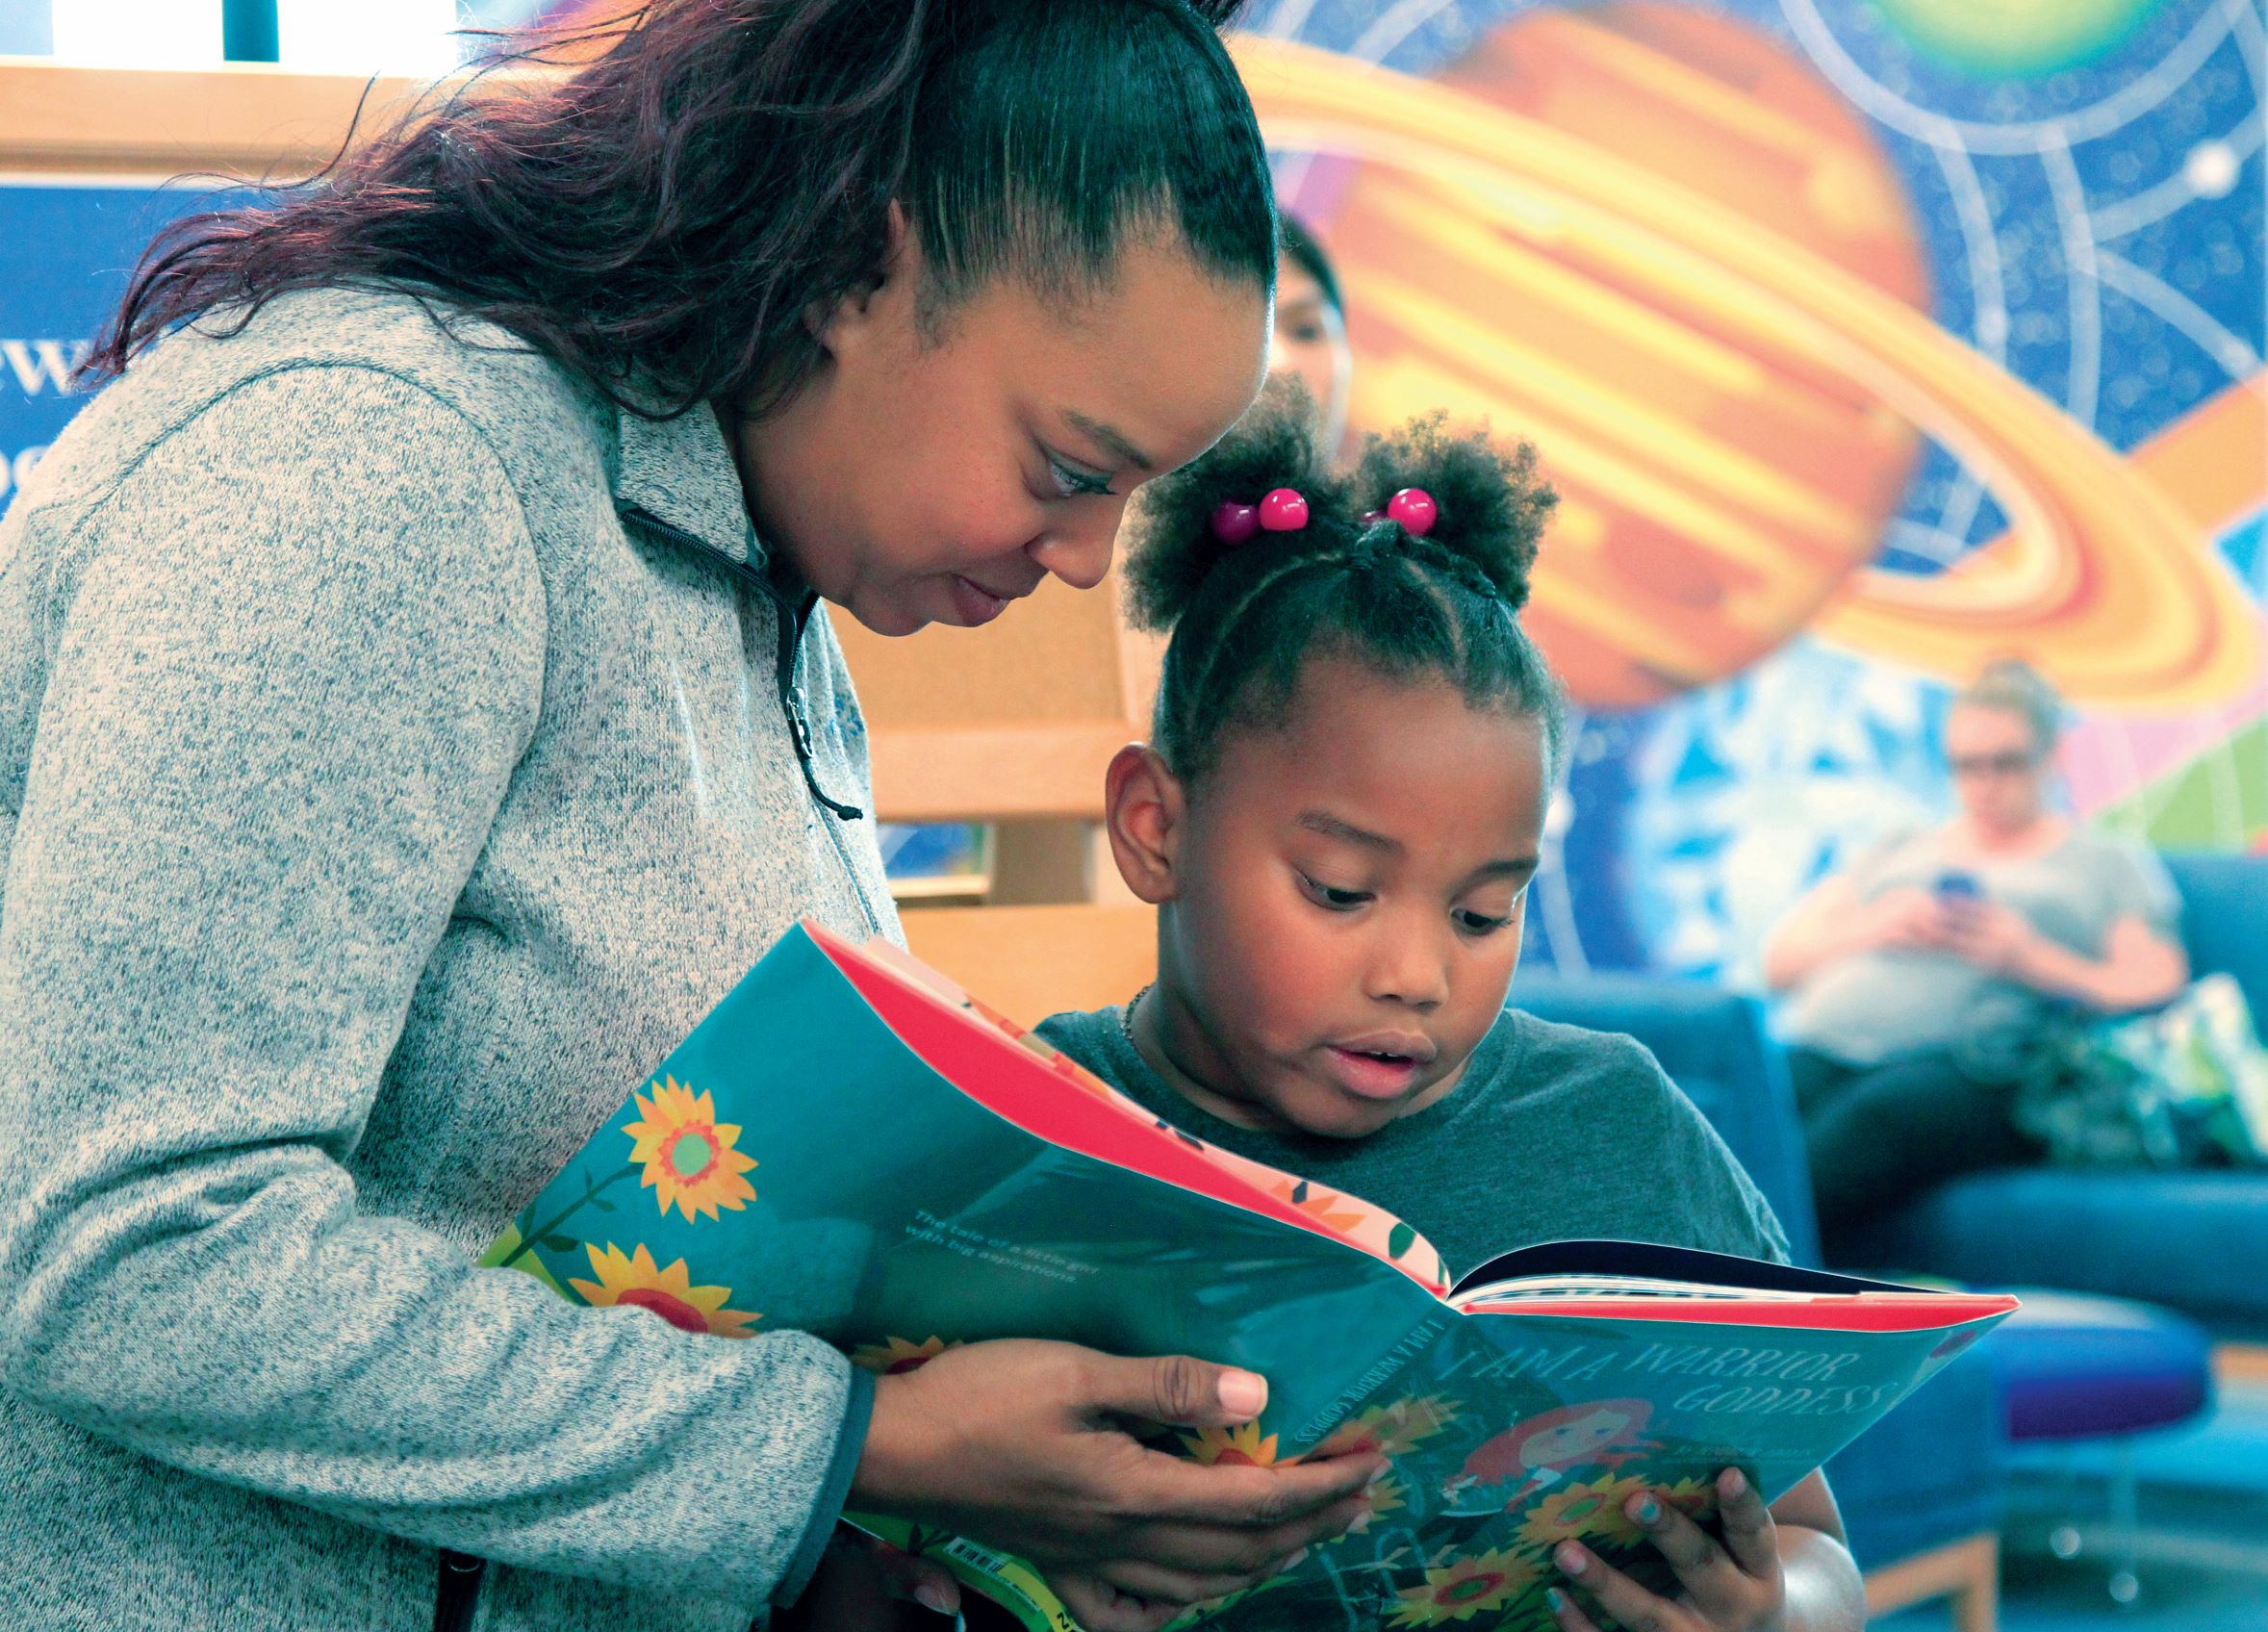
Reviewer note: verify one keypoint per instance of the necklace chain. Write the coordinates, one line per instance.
(1126, 1017)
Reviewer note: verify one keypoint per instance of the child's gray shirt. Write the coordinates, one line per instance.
(1553, 1133)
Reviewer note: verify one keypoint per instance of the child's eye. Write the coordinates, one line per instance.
(1481, 922)
(1070, 481)
(1335, 900)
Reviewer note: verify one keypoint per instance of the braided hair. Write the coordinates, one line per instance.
(1247, 618)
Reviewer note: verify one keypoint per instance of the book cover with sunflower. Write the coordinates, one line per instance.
(850, 1146)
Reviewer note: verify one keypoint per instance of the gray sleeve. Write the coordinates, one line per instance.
(1718, 1208)
(2138, 885)
(293, 659)
(1868, 870)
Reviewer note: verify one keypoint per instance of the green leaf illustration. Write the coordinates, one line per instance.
(560, 1244)
(1398, 1242)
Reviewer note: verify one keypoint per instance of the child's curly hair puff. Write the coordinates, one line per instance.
(1247, 618)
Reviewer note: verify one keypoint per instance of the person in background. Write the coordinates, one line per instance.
(1311, 338)
(1916, 977)
(419, 705)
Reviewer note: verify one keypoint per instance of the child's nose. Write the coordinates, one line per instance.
(1409, 969)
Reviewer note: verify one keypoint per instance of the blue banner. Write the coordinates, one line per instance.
(65, 253)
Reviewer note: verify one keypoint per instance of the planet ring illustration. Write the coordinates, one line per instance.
(2100, 577)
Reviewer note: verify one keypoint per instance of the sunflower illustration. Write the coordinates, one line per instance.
(1391, 1430)
(690, 1163)
(1592, 1509)
(1467, 1586)
(634, 1283)
(1695, 1498)
(895, 1357)
(1241, 1447)
(1387, 1494)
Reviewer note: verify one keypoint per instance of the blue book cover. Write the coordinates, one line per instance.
(850, 1146)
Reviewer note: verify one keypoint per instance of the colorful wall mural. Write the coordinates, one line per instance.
(1866, 340)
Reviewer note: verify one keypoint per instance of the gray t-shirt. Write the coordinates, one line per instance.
(1555, 1133)
(1870, 1004)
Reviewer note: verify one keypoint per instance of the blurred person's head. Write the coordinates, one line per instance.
(1999, 743)
(1310, 330)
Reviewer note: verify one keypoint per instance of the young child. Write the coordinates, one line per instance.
(1338, 821)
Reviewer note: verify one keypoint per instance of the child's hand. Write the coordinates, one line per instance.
(863, 1586)
(1734, 1584)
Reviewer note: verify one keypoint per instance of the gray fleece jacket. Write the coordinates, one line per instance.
(388, 781)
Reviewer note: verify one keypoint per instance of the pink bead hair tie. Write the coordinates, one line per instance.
(1232, 523)
(1281, 510)
(1415, 508)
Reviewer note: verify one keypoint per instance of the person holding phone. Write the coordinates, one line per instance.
(1916, 976)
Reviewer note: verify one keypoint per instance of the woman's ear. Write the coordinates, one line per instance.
(875, 297)
(1142, 807)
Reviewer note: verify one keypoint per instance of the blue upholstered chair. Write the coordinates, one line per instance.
(1922, 1491)
(2159, 1236)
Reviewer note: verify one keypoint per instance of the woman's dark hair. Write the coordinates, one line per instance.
(1247, 618)
(1305, 253)
(668, 214)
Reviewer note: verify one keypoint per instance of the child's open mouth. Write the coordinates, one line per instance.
(1373, 1073)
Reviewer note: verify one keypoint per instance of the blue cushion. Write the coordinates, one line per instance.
(2170, 1238)
(2225, 918)
(2076, 1368)
(1713, 1044)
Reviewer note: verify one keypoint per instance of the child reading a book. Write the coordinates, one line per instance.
(1337, 820)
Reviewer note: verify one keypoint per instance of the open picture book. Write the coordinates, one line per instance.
(850, 1146)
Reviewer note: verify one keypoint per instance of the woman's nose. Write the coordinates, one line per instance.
(1077, 550)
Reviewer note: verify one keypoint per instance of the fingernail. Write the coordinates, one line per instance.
(1571, 1560)
(1378, 1476)
(936, 1599)
(1556, 1599)
(1296, 1559)
(1243, 1394)
(1648, 1510)
(1735, 1482)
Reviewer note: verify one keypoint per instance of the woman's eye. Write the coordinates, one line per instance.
(1337, 900)
(1071, 482)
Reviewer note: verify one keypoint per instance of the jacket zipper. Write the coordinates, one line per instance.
(787, 647)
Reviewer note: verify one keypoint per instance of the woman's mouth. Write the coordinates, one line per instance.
(974, 604)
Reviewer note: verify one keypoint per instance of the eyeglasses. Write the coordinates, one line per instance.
(2013, 763)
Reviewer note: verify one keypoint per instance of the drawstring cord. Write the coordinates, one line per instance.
(790, 628)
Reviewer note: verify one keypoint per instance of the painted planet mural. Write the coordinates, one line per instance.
(1650, 238)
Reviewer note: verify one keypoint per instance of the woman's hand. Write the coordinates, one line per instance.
(1736, 1585)
(1905, 920)
(1025, 1444)
(1996, 938)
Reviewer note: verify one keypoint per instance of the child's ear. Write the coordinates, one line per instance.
(1142, 807)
